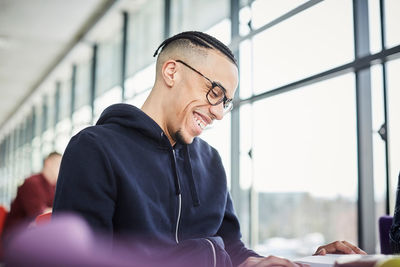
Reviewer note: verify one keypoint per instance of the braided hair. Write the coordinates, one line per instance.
(199, 39)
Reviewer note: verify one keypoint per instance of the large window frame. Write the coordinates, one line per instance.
(361, 67)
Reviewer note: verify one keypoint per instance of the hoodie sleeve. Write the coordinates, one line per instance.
(86, 184)
(230, 232)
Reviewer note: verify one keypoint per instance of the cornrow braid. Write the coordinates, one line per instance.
(199, 39)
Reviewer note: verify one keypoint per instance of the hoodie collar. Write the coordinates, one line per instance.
(132, 117)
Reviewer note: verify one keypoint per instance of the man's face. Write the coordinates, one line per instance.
(53, 166)
(192, 112)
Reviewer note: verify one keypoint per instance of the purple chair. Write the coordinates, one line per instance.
(385, 222)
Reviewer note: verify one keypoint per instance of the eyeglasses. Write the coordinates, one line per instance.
(217, 93)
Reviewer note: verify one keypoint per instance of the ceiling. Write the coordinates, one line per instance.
(35, 35)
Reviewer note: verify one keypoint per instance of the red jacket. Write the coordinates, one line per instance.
(33, 197)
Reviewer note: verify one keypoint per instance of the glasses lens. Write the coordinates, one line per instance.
(228, 105)
(215, 95)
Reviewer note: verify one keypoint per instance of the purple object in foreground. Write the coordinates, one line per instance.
(66, 241)
(69, 241)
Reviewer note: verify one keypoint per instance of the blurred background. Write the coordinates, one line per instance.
(312, 146)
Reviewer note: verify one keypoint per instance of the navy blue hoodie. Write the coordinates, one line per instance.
(124, 177)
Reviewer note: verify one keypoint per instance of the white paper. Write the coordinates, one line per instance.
(329, 259)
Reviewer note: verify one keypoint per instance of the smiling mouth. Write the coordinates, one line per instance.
(200, 123)
(201, 120)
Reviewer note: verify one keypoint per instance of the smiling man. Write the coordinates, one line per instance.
(184, 99)
(143, 173)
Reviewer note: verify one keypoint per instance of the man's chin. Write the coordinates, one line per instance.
(180, 138)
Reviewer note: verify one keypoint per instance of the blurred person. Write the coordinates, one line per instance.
(145, 173)
(35, 196)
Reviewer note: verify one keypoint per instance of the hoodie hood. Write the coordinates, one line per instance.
(132, 117)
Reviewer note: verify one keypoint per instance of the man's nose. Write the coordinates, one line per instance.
(218, 111)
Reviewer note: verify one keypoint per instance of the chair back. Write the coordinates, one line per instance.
(385, 222)
(3, 217)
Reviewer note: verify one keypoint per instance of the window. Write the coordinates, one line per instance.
(63, 126)
(146, 27)
(218, 135)
(306, 44)
(264, 12)
(189, 15)
(108, 98)
(304, 161)
(82, 85)
(65, 100)
(379, 156)
(82, 115)
(393, 84)
(374, 26)
(47, 124)
(392, 22)
(109, 59)
(142, 81)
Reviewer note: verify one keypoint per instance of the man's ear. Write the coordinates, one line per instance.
(168, 72)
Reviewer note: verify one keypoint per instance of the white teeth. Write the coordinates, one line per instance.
(201, 125)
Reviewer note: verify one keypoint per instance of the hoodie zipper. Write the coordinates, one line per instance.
(179, 200)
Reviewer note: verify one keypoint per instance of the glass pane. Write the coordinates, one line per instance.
(379, 145)
(313, 41)
(36, 157)
(51, 110)
(244, 20)
(264, 11)
(246, 170)
(138, 99)
(81, 118)
(143, 80)
(379, 155)
(190, 15)
(392, 22)
(221, 31)
(109, 64)
(82, 85)
(246, 69)
(393, 95)
(218, 135)
(63, 135)
(112, 96)
(305, 167)
(146, 28)
(48, 122)
(374, 26)
(65, 100)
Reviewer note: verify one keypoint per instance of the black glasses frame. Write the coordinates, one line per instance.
(227, 102)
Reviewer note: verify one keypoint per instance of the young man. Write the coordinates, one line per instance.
(144, 173)
(35, 196)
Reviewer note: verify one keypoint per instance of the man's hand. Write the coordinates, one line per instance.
(339, 247)
(270, 261)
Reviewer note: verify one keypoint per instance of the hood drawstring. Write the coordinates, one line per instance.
(192, 185)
